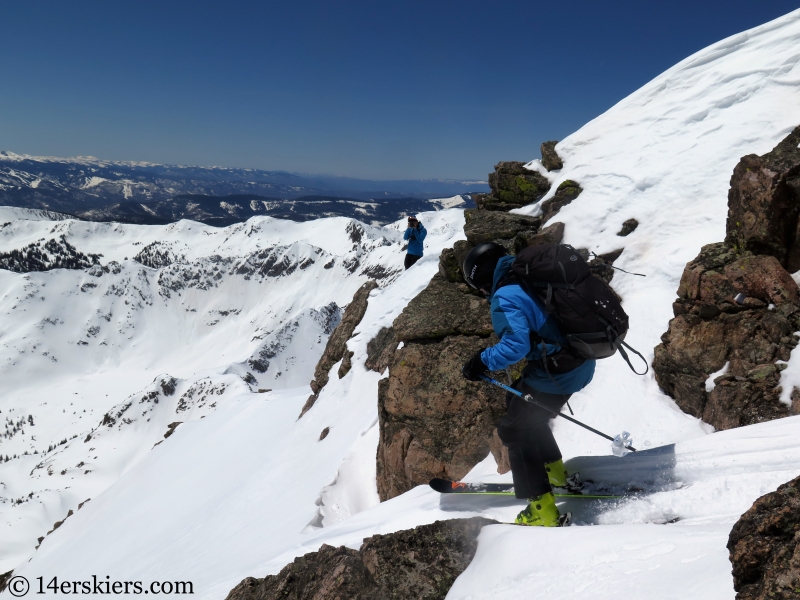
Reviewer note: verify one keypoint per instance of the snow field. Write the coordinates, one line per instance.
(159, 337)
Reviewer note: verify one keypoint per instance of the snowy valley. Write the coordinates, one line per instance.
(162, 377)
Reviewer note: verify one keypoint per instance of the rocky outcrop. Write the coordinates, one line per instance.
(566, 192)
(764, 546)
(416, 563)
(513, 186)
(380, 350)
(443, 309)
(764, 203)
(336, 348)
(434, 423)
(737, 307)
(488, 226)
(550, 158)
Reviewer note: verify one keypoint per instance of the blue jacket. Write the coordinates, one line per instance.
(415, 237)
(514, 315)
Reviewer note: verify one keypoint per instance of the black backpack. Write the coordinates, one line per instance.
(584, 307)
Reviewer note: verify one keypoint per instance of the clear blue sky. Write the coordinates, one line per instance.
(400, 90)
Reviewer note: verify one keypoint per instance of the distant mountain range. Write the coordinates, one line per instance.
(136, 192)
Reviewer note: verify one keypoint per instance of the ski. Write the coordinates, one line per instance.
(443, 486)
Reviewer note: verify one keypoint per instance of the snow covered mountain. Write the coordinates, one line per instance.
(146, 192)
(242, 486)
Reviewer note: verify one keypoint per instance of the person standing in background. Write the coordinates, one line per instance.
(415, 234)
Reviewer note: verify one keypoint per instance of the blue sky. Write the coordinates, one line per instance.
(403, 90)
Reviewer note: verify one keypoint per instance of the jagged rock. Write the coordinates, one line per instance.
(443, 309)
(550, 158)
(449, 267)
(552, 234)
(565, 193)
(737, 304)
(711, 329)
(433, 422)
(764, 203)
(415, 563)
(380, 350)
(628, 227)
(492, 226)
(763, 546)
(336, 347)
(513, 186)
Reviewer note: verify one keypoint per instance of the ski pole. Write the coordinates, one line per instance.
(555, 413)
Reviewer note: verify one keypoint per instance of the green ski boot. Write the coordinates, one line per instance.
(561, 481)
(557, 473)
(542, 512)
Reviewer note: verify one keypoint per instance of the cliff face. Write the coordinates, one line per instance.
(738, 306)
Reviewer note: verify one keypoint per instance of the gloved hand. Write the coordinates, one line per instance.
(474, 367)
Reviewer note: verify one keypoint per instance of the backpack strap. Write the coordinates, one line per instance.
(627, 360)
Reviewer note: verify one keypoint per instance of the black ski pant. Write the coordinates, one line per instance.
(525, 431)
(411, 259)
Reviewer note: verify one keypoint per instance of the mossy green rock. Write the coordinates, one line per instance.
(513, 186)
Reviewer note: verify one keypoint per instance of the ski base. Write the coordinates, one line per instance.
(443, 486)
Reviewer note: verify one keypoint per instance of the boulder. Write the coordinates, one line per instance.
(415, 563)
(443, 309)
(433, 422)
(552, 234)
(492, 226)
(450, 267)
(513, 186)
(550, 158)
(628, 227)
(764, 546)
(566, 192)
(714, 325)
(764, 203)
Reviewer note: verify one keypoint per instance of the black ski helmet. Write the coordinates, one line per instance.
(479, 264)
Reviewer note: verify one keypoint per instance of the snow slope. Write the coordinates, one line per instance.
(96, 363)
(246, 489)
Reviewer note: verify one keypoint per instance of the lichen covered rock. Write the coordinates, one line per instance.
(433, 422)
(566, 192)
(443, 309)
(550, 158)
(491, 226)
(513, 186)
(738, 307)
(764, 546)
(416, 563)
(764, 203)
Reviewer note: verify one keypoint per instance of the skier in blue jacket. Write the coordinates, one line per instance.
(520, 322)
(415, 234)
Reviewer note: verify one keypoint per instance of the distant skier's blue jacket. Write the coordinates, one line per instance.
(415, 237)
(514, 315)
